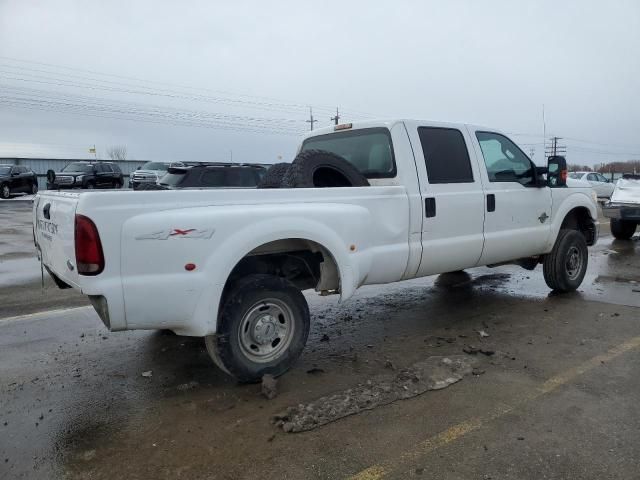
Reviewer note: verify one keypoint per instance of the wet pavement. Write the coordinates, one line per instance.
(557, 398)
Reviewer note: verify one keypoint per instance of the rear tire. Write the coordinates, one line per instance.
(622, 229)
(565, 266)
(262, 329)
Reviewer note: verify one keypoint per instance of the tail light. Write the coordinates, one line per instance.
(89, 256)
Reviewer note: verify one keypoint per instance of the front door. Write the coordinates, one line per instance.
(452, 199)
(517, 208)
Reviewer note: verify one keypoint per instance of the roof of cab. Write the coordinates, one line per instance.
(390, 123)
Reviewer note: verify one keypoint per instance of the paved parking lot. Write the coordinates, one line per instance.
(557, 398)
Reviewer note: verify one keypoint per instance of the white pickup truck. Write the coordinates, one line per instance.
(230, 265)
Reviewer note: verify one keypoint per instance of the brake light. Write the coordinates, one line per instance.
(89, 256)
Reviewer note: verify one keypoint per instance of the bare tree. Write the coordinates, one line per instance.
(117, 152)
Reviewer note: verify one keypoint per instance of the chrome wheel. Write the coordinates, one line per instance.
(573, 264)
(6, 191)
(266, 330)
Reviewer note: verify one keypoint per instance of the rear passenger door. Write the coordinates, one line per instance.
(452, 199)
(518, 205)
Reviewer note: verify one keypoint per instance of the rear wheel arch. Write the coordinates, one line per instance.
(306, 263)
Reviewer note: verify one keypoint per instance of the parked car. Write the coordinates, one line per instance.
(418, 198)
(17, 179)
(211, 175)
(600, 184)
(624, 207)
(87, 175)
(150, 173)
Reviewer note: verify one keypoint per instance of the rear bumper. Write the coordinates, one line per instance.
(622, 211)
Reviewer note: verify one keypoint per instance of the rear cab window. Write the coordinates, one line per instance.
(370, 150)
(445, 155)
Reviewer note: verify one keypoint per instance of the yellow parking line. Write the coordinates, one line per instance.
(455, 432)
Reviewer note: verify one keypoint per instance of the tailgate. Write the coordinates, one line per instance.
(627, 191)
(54, 226)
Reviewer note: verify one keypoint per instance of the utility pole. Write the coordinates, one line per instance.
(337, 117)
(311, 119)
(556, 148)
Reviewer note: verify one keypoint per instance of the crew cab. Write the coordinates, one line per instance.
(229, 265)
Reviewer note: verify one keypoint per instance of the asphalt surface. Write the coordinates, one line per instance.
(558, 398)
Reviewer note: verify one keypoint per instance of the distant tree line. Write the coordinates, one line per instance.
(629, 166)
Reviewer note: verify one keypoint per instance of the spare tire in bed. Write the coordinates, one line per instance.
(321, 169)
(274, 175)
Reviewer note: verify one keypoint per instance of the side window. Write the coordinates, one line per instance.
(446, 155)
(505, 162)
(601, 178)
(107, 167)
(592, 177)
(212, 177)
(98, 168)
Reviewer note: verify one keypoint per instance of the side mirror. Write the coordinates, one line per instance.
(139, 167)
(557, 171)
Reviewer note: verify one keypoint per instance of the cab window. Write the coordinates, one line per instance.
(505, 162)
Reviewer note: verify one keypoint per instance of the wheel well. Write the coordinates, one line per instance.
(580, 219)
(305, 263)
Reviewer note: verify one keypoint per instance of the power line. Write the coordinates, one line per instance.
(261, 101)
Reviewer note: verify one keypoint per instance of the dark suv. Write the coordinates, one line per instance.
(211, 175)
(87, 175)
(17, 179)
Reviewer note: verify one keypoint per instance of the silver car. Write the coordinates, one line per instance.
(150, 173)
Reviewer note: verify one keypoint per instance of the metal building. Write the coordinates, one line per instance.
(41, 165)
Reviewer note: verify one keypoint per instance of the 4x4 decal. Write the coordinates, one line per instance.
(176, 233)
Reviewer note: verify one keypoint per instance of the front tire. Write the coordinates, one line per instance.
(5, 191)
(565, 266)
(263, 328)
(622, 229)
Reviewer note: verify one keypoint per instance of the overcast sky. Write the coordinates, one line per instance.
(197, 80)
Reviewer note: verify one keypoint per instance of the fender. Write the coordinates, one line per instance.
(565, 205)
(226, 256)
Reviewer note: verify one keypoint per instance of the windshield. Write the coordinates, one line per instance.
(5, 170)
(78, 167)
(155, 166)
(367, 149)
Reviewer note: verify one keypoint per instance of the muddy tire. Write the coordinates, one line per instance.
(622, 229)
(5, 191)
(274, 176)
(320, 169)
(262, 328)
(565, 266)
